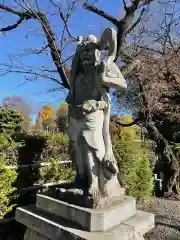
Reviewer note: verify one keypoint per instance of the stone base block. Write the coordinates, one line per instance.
(32, 235)
(80, 196)
(92, 220)
(41, 226)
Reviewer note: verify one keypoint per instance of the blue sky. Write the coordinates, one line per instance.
(28, 36)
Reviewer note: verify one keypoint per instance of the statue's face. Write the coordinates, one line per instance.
(87, 50)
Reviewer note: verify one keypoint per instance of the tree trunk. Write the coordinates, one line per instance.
(169, 161)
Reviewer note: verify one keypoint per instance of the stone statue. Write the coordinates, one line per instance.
(89, 113)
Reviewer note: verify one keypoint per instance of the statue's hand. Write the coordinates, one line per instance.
(109, 162)
(109, 156)
(101, 68)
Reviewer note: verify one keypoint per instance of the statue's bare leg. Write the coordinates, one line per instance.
(79, 161)
(78, 158)
(93, 173)
(94, 150)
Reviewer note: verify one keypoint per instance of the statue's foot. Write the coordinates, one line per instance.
(94, 190)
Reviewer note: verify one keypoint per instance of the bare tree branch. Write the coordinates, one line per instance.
(11, 27)
(42, 49)
(10, 70)
(137, 22)
(128, 124)
(101, 13)
(50, 38)
(64, 21)
(125, 4)
(151, 49)
(69, 58)
(6, 8)
(130, 67)
(66, 26)
(123, 24)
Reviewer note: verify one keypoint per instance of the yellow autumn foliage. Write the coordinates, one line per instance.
(62, 110)
(127, 132)
(131, 132)
(47, 112)
(62, 117)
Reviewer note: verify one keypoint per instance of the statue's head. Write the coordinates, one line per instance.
(90, 38)
(87, 39)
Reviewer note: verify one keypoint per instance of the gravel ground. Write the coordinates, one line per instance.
(167, 218)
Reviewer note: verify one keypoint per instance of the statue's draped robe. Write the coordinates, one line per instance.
(86, 107)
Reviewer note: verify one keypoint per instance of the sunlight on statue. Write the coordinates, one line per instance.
(89, 113)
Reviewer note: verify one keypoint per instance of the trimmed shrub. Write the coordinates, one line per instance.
(32, 148)
(56, 146)
(10, 121)
(21, 149)
(7, 180)
(9, 149)
(133, 160)
(134, 169)
(47, 148)
(56, 172)
(56, 150)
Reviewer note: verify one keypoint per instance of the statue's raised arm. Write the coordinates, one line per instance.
(111, 74)
(109, 39)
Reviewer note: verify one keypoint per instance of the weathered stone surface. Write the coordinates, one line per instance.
(142, 223)
(32, 235)
(121, 234)
(89, 219)
(58, 229)
(78, 197)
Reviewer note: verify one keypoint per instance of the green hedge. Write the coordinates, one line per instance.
(10, 121)
(55, 150)
(9, 149)
(7, 176)
(29, 149)
(56, 146)
(7, 191)
(134, 167)
(43, 147)
(56, 172)
(19, 148)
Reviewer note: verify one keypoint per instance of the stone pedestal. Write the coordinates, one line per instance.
(52, 219)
